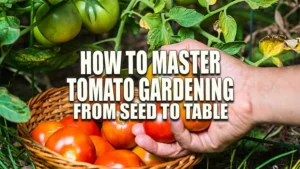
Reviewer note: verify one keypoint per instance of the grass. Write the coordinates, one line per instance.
(10, 155)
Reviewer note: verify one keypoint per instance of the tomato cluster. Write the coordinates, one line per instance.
(109, 143)
(97, 16)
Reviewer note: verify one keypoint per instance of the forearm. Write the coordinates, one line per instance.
(275, 95)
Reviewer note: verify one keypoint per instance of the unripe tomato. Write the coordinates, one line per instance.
(99, 18)
(88, 126)
(148, 158)
(159, 130)
(44, 130)
(185, 2)
(72, 144)
(101, 145)
(119, 159)
(40, 38)
(119, 133)
(62, 24)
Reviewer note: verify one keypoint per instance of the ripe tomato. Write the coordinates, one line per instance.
(88, 126)
(185, 2)
(148, 158)
(73, 144)
(159, 130)
(118, 133)
(61, 25)
(193, 125)
(119, 159)
(101, 145)
(44, 130)
(99, 16)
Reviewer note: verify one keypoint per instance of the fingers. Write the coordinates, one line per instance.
(164, 150)
(138, 129)
(160, 149)
(200, 142)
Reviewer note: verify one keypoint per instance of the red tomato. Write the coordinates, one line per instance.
(101, 145)
(159, 130)
(119, 159)
(193, 125)
(88, 126)
(73, 144)
(44, 130)
(118, 133)
(148, 158)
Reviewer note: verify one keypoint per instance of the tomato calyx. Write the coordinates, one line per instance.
(92, 4)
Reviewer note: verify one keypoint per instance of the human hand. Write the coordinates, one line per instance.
(221, 133)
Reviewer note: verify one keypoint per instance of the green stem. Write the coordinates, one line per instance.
(208, 36)
(122, 25)
(221, 9)
(209, 42)
(31, 22)
(132, 12)
(105, 40)
(259, 62)
(148, 3)
(275, 158)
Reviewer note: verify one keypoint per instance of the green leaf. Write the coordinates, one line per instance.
(10, 30)
(160, 35)
(228, 26)
(41, 60)
(12, 108)
(230, 48)
(256, 4)
(153, 20)
(159, 6)
(186, 34)
(185, 17)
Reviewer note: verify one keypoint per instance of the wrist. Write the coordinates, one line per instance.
(261, 83)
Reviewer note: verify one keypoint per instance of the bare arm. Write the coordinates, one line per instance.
(275, 95)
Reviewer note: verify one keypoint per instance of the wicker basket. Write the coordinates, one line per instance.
(53, 105)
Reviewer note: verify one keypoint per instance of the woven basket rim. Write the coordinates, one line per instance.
(47, 154)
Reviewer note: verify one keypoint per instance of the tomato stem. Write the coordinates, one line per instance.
(122, 24)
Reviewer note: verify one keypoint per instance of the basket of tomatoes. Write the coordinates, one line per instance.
(55, 140)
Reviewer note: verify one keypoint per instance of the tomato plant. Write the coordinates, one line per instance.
(54, 27)
(44, 130)
(73, 144)
(119, 159)
(101, 145)
(98, 16)
(165, 134)
(119, 133)
(88, 126)
(148, 158)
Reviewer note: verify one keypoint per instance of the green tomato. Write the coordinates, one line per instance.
(62, 24)
(185, 2)
(97, 19)
(40, 38)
